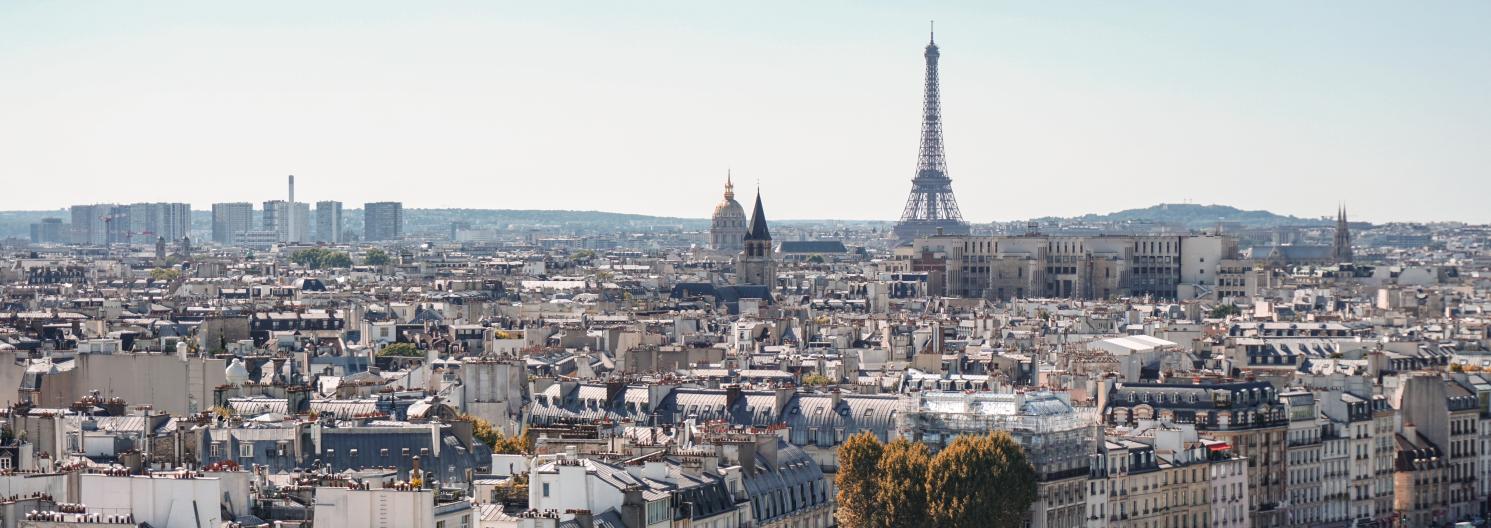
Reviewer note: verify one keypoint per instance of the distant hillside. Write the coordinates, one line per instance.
(17, 223)
(538, 216)
(1191, 216)
(1194, 216)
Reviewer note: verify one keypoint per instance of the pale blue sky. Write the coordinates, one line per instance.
(1052, 108)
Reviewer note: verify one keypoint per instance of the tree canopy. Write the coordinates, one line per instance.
(859, 459)
(401, 350)
(980, 481)
(318, 258)
(483, 431)
(901, 493)
(1222, 311)
(376, 257)
(976, 481)
(816, 379)
(164, 274)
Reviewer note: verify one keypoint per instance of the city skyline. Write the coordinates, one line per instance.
(770, 265)
(1281, 107)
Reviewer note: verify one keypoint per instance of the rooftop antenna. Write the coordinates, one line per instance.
(932, 31)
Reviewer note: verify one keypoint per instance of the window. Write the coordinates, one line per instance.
(546, 489)
(657, 512)
(4, 463)
(246, 450)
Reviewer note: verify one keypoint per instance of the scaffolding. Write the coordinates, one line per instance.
(1054, 435)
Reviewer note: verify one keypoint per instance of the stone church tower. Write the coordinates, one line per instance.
(756, 263)
(1341, 248)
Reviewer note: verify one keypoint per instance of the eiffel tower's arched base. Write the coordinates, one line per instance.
(906, 230)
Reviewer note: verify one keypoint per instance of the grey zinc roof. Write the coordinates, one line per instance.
(257, 406)
(803, 411)
(345, 409)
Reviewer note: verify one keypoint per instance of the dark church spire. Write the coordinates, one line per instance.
(1341, 248)
(757, 230)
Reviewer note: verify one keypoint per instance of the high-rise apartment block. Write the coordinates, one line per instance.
(147, 222)
(276, 218)
(287, 220)
(48, 231)
(329, 221)
(99, 224)
(300, 222)
(382, 221)
(230, 221)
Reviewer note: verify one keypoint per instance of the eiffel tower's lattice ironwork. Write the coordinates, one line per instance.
(931, 208)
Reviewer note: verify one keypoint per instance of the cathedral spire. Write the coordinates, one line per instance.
(1341, 247)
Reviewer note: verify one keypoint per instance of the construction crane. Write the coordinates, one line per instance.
(128, 235)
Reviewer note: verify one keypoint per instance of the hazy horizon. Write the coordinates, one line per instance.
(1050, 109)
(705, 217)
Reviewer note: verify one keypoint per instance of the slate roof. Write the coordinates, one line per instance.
(757, 230)
(797, 476)
(812, 246)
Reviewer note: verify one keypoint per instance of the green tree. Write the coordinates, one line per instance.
(816, 380)
(376, 257)
(317, 258)
(337, 259)
(859, 459)
(164, 274)
(310, 258)
(980, 481)
(1225, 310)
(901, 490)
(401, 350)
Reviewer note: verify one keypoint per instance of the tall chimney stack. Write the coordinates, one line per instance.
(290, 213)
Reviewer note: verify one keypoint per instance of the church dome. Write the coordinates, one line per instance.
(727, 212)
(727, 226)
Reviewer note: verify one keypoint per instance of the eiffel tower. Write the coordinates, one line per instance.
(931, 209)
